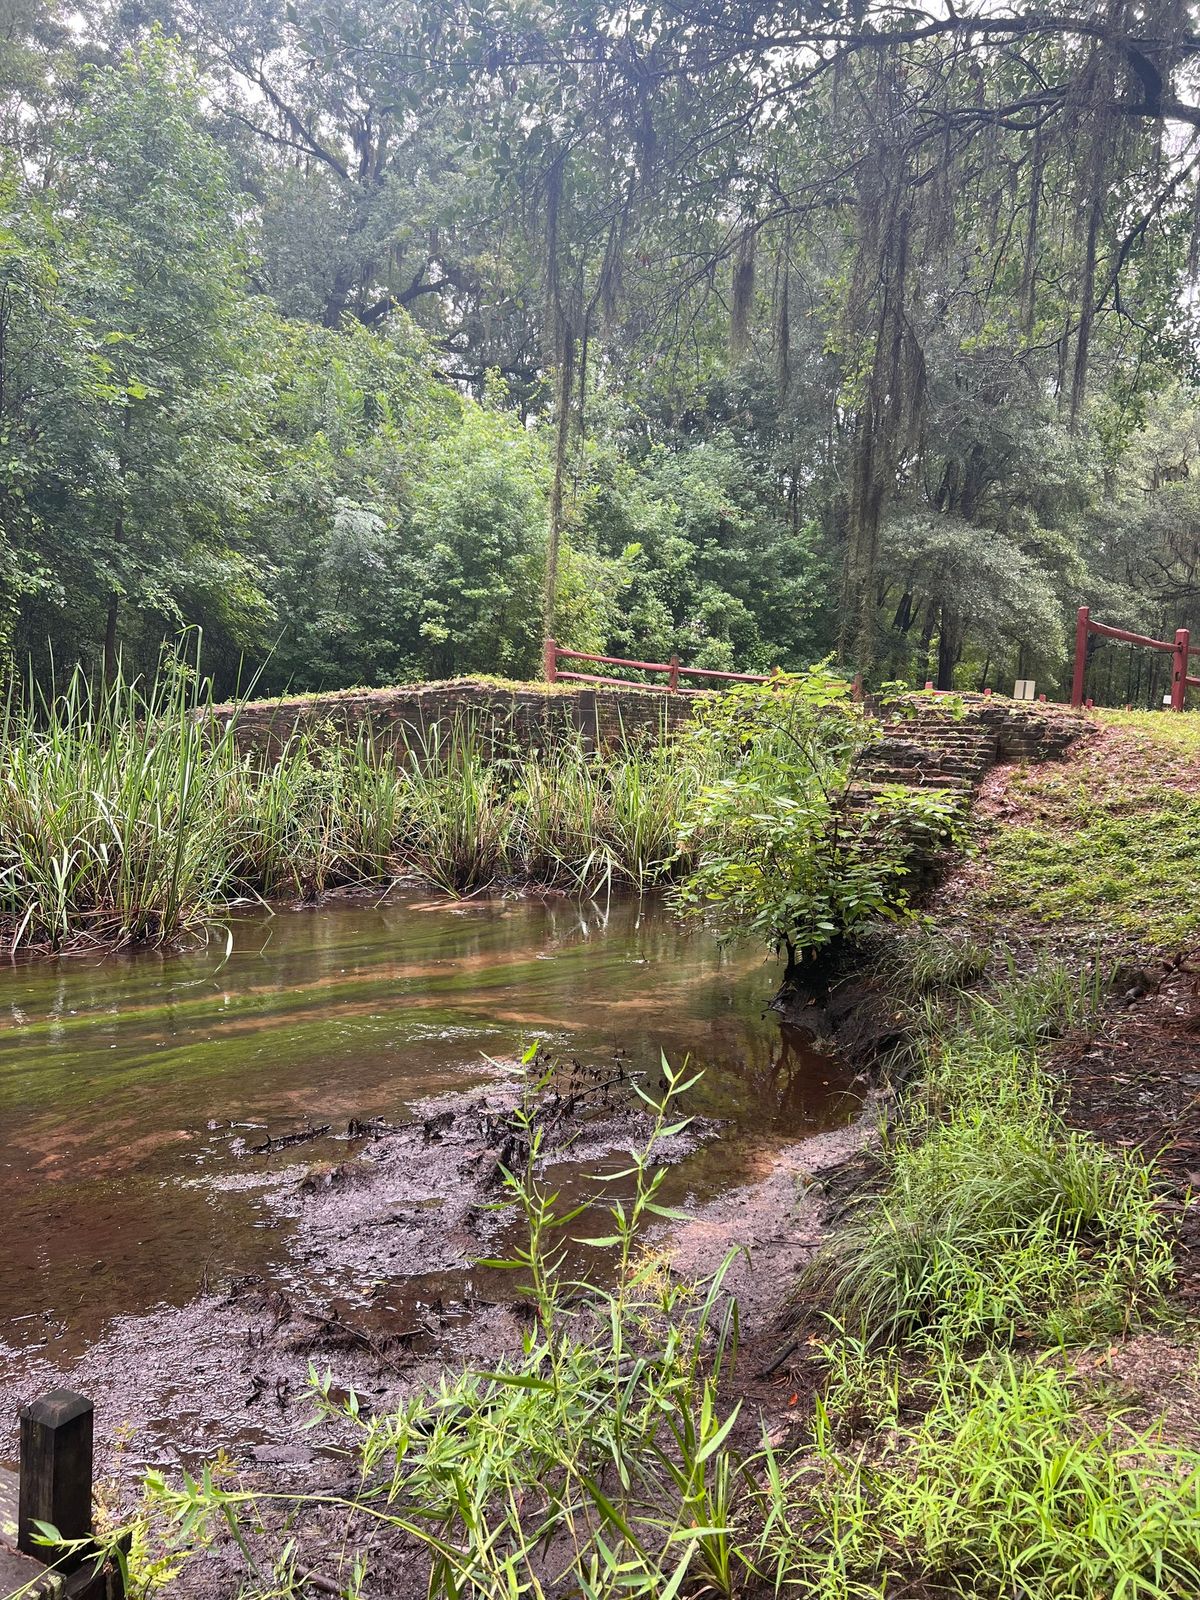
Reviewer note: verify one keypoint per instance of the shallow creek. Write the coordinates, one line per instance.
(145, 1100)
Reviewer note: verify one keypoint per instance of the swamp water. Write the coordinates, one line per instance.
(145, 1099)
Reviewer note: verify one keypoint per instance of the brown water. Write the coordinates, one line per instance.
(133, 1089)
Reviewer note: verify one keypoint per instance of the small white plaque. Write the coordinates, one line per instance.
(1025, 689)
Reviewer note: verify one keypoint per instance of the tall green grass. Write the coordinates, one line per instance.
(129, 815)
(114, 817)
(1011, 1482)
(997, 1220)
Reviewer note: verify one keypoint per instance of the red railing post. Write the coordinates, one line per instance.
(673, 675)
(1179, 668)
(1081, 638)
(550, 660)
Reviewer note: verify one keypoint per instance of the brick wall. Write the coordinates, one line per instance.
(532, 716)
(525, 717)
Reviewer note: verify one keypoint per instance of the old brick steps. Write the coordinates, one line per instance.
(940, 747)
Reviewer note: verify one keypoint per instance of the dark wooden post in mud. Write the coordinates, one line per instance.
(56, 1471)
(54, 1486)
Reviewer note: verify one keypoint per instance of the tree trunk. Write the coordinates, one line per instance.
(886, 416)
(112, 660)
(562, 435)
(949, 649)
(1097, 200)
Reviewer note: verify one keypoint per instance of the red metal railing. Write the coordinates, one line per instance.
(553, 653)
(1178, 650)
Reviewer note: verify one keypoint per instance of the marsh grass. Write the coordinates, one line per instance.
(114, 812)
(129, 815)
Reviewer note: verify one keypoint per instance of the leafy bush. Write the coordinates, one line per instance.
(779, 848)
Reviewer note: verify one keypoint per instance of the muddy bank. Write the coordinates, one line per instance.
(149, 1103)
(291, 1163)
(382, 1291)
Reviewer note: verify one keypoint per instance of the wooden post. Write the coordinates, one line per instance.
(1081, 638)
(56, 1472)
(1179, 668)
(550, 661)
(673, 675)
(856, 692)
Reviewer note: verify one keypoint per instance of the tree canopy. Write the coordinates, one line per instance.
(380, 340)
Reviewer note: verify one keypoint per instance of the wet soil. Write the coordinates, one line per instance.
(219, 1179)
(1136, 1085)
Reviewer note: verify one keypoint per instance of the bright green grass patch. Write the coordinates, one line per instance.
(1163, 728)
(1008, 1485)
(997, 1221)
(1111, 844)
(1130, 865)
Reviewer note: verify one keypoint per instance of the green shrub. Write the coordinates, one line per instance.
(778, 847)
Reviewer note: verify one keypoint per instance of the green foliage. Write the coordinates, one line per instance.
(1009, 1483)
(705, 565)
(997, 1221)
(128, 814)
(286, 295)
(113, 818)
(778, 847)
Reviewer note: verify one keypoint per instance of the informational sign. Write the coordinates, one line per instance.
(1025, 689)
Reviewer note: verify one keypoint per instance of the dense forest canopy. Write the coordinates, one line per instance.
(378, 340)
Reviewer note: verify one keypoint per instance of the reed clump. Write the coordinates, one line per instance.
(128, 815)
(115, 816)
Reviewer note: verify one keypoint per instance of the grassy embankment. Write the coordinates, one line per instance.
(967, 1432)
(1106, 844)
(979, 1431)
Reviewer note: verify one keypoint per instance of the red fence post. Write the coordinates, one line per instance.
(1179, 668)
(673, 675)
(550, 660)
(1081, 639)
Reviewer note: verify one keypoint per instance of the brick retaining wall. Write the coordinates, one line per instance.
(538, 716)
(525, 717)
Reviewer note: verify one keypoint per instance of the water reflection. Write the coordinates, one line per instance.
(124, 1081)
